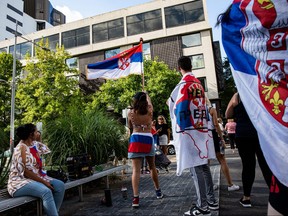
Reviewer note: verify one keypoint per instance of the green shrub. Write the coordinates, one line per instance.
(79, 132)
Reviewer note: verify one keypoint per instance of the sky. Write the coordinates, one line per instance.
(79, 9)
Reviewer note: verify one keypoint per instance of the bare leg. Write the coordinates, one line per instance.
(272, 211)
(136, 165)
(153, 171)
(164, 148)
(224, 168)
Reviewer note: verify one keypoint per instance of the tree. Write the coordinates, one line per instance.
(229, 84)
(159, 83)
(6, 68)
(45, 92)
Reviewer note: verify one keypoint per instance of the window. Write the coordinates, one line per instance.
(191, 40)
(110, 53)
(197, 61)
(184, 14)
(72, 63)
(14, 20)
(21, 50)
(53, 40)
(144, 22)
(3, 50)
(15, 9)
(108, 30)
(203, 83)
(75, 38)
(146, 51)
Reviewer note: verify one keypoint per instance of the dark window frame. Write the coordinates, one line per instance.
(203, 81)
(143, 21)
(14, 20)
(196, 33)
(191, 57)
(107, 30)
(179, 10)
(75, 37)
(14, 9)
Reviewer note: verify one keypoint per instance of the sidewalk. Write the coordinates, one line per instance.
(229, 201)
(179, 192)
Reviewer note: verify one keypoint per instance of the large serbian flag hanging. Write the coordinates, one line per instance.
(255, 38)
(120, 65)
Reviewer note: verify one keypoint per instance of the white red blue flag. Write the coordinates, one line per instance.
(188, 115)
(118, 66)
(255, 38)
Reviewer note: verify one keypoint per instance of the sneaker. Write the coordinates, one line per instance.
(233, 187)
(159, 194)
(245, 203)
(135, 203)
(147, 172)
(213, 206)
(197, 211)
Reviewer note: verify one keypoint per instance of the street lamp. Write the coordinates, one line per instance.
(13, 93)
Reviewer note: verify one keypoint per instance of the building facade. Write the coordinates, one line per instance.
(12, 11)
(169, 29)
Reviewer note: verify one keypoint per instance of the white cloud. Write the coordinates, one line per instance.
(71, 15)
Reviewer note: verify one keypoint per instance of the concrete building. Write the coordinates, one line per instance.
(169, 29)
(31, 16)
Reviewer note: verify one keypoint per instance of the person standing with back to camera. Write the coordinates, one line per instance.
(141, 143)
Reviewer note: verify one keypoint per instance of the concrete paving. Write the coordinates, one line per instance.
(179, 194)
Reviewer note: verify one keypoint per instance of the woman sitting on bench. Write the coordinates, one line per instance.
(26, 175)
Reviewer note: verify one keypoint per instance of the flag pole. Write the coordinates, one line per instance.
(142, 69)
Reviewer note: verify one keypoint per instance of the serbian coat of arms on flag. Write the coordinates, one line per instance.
(120, 65)
(255, 38)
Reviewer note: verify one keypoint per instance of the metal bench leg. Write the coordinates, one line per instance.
(39, 207)
(80, 189)
(107, 182)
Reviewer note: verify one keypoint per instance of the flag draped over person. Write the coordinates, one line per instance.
(121, 65)
(187, 107)
(255, 38)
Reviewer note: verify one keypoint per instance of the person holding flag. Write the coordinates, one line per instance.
(254, 35)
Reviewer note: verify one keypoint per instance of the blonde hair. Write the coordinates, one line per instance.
(220, 120)
(164, 120)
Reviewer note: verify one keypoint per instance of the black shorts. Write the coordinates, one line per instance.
(216, 141)
(278, 196)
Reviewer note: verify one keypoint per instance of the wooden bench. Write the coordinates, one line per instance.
(7, 202)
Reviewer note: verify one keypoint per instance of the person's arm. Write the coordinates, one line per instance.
(215, 122)
(149, 103)
(30, 174)
(230, 108)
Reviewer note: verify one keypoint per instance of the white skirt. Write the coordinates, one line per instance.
(163, 140)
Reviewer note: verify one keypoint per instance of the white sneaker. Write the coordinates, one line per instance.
(233, 187)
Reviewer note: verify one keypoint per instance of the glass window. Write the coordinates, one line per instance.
(108, 30)
(3, 50)
(21, 50)
(203, 83)
(146, 51)
(197, 61)
(76, 37)
(191, 40)
(53, 40)
(184, 14)
(111, 53)
(72, 62)
(144, 22)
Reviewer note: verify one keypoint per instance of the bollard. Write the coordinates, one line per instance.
(108, 199)
(124, 192)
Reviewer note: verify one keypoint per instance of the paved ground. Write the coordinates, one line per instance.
(179, 194)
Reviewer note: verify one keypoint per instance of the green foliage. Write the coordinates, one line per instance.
(6, 70)
(79, 132)
(45, 92)
(159, 83)
(229, 89)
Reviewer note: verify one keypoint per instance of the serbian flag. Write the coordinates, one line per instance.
(120, 65)
(187, 106)
(255, 38)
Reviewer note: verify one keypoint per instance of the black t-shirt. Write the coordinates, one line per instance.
(164, 129)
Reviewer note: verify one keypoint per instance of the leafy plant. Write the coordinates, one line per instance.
(78, 132)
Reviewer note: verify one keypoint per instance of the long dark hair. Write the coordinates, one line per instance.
(24, 131)
(140, 103)
(223, 16)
